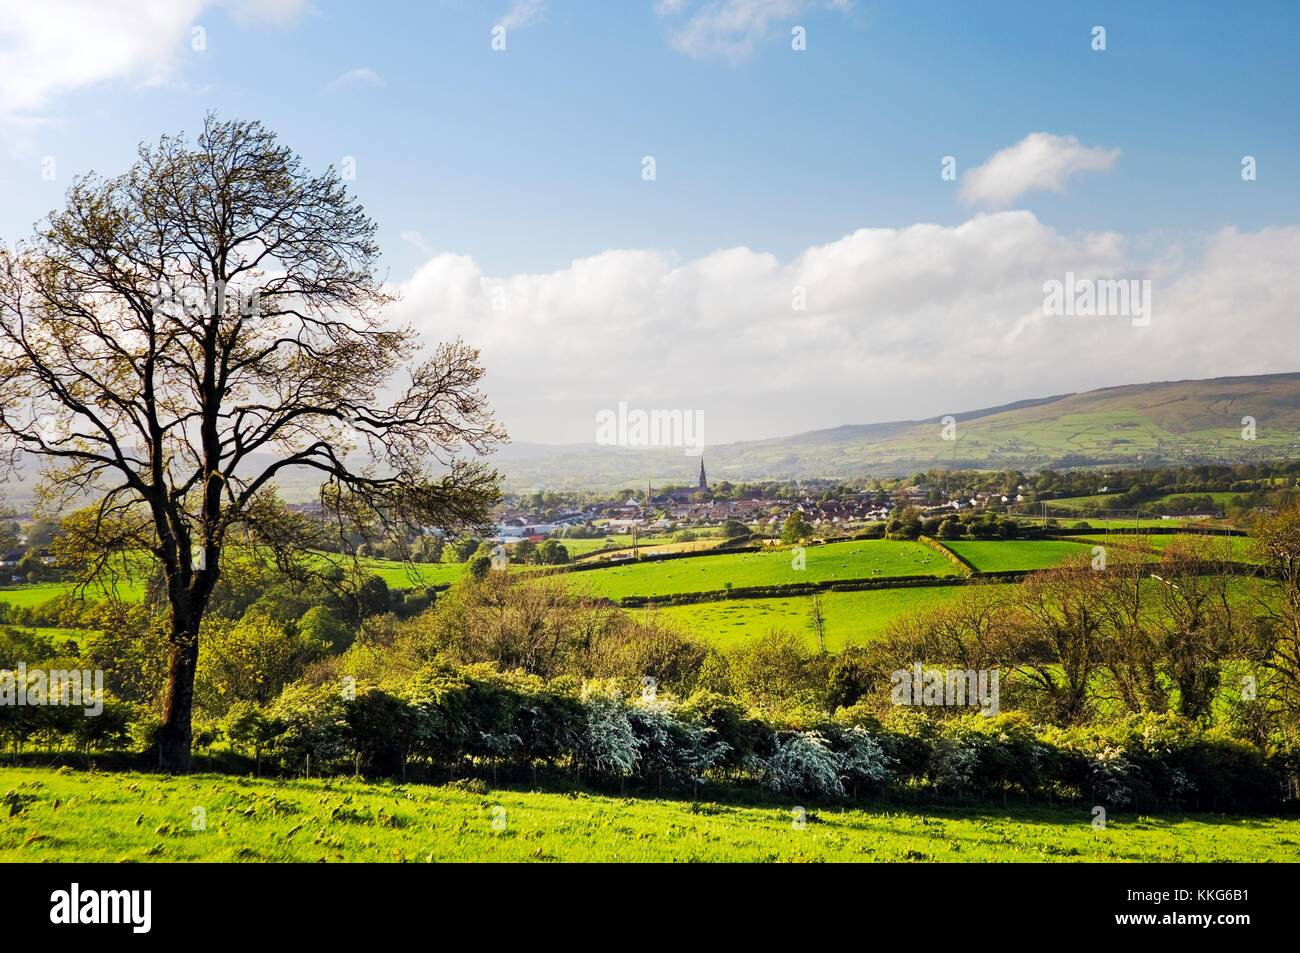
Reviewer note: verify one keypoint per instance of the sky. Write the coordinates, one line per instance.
(857, 230)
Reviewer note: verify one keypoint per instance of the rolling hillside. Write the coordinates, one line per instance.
(1135, 425)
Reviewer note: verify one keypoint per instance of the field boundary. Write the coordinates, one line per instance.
(795, 589)
(967, 568)
(1143, 531)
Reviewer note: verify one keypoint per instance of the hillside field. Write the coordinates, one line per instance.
(80, 816)
(851, 618)
(1160, 423)
(995, 555)
(864, 559)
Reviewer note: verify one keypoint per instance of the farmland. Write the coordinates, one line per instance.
(1238, 548)
(851, 618)
(1003, 556)
(864, 559)
(77, 816)
(397, 575)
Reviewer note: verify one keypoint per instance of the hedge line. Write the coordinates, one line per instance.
(448, 722)
(967, 567)
(788, 589)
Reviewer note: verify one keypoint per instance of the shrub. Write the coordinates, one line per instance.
(609, 747)
(863, 761)
(804, 764)
(671, 747)
(313, 727)
(380, 731)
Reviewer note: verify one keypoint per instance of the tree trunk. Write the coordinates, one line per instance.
(175, 735)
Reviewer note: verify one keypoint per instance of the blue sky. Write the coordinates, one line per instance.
(530, 157)
(526, 159)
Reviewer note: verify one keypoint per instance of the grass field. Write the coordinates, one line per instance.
(77, 816)
(653, 549)
(864, 559)
(994, 555)
(1220, 498)
(1240, 547)
(33, 595)
(851, 618)
(398, 576)
(401, 576)
(36, 594)
(1104, 523)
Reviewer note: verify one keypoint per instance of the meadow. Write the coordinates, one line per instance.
(41, 593)
(1220, 498)
(396, 574)
(993, 555)
(1240, 548)
(850, 618)
(70, 815)
(1106, 522)
(863, 559)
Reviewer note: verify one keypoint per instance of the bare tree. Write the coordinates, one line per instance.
(1276, 545)
(1131, 647)
(177, 338)
(818, 621)
(1201, 629)
(1056, 629)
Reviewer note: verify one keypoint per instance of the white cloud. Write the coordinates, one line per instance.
(730, 29)
(1038, 162)
(57, 46)
(914, 321)
(522, 13)
(418, 240)
(362, 77)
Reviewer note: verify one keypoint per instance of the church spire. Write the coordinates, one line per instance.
(704, 481)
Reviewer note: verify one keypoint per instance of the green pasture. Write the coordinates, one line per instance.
(863, 559)
(1239, 548)
(998, 555)
(849, 618)
(98, 817)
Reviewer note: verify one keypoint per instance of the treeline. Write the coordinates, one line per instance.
(445, 723)
(1129, 489)
(1165, 683)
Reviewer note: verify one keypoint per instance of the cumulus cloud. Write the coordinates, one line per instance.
(57, 46)
(730, 29)
(1039, 162)
(897, 323)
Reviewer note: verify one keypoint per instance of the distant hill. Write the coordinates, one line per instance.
(1172, 422)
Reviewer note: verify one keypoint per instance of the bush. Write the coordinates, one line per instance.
(313, 727)
(608, 746)
(863, 761)
(380, 731)
(671, 747)
(804, 764)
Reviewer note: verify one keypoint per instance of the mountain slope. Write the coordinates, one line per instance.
(1137, 425)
